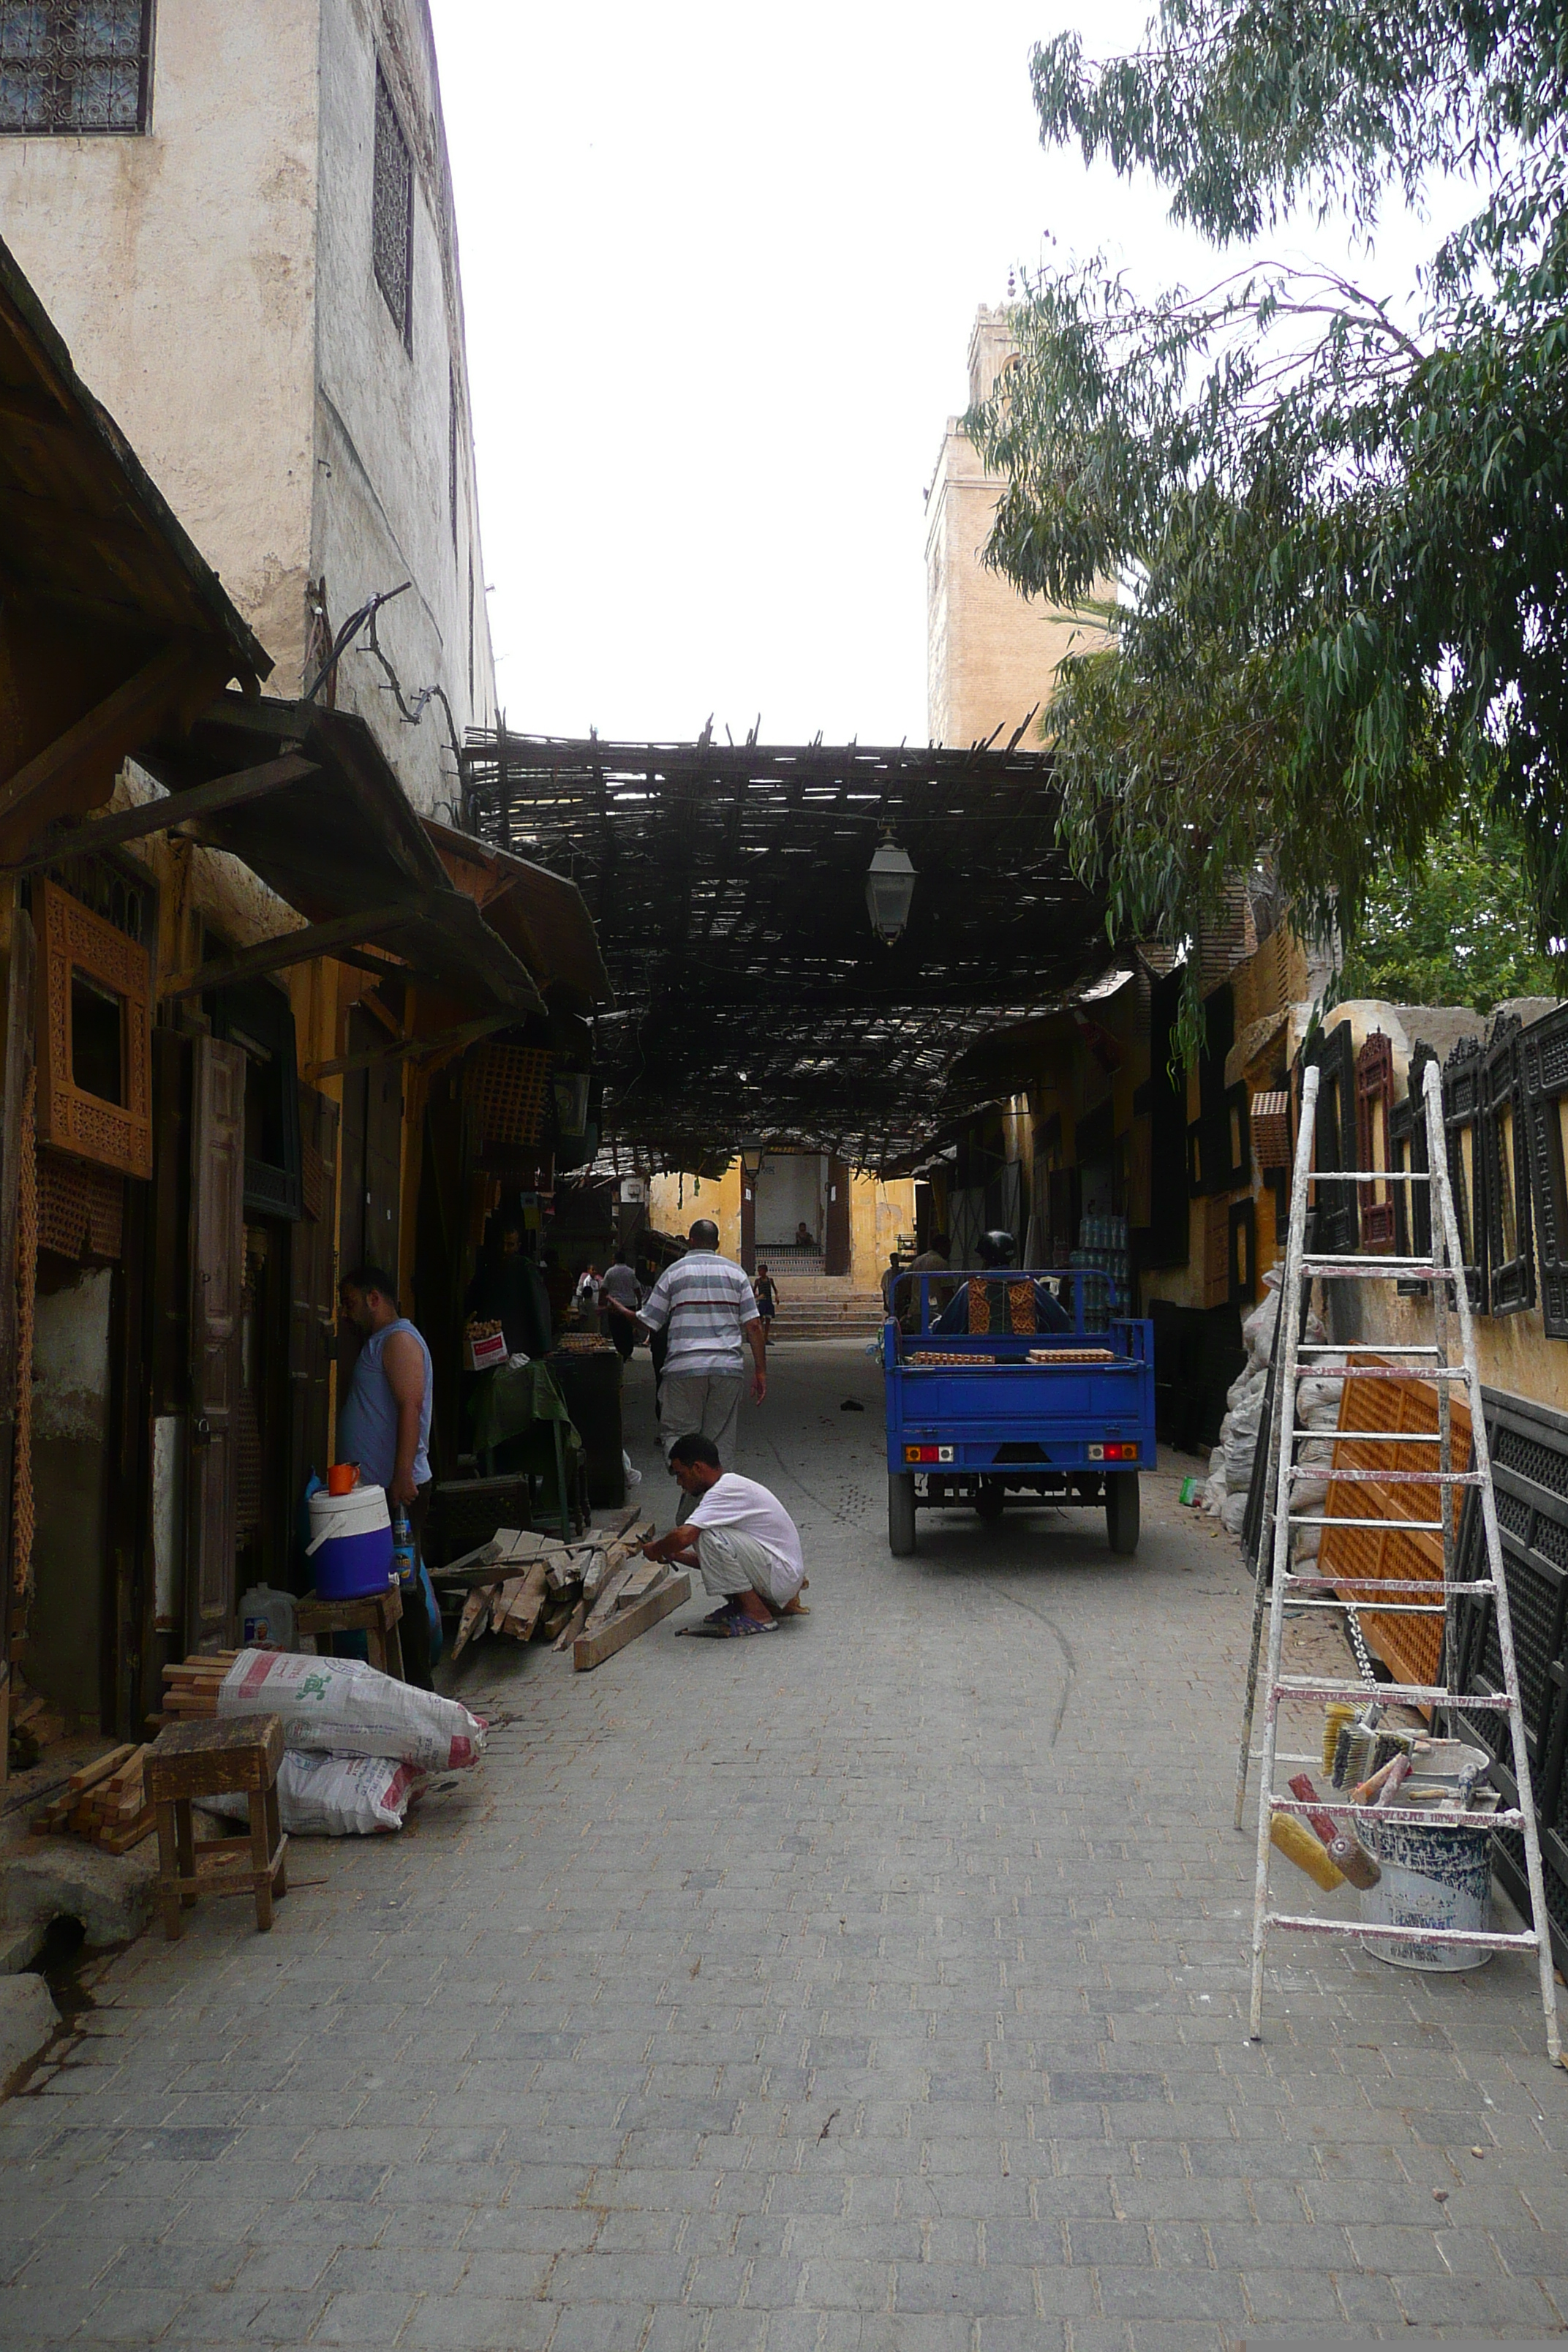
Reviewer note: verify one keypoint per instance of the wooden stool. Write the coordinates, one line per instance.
(374, 1614)
(217, 1760)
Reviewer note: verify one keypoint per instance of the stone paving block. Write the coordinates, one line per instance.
(475, 2323)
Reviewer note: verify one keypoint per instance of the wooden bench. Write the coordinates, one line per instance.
(217, 1760)
(374, 1614)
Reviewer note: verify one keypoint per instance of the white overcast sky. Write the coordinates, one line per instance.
(719, 267)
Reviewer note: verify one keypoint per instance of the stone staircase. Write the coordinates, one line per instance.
(825, 1306)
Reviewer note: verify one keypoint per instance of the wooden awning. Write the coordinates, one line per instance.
(308, 800)
(541, 917)
(111, 624)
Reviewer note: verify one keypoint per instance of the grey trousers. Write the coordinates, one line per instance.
(730, 1563)
(693, 1402)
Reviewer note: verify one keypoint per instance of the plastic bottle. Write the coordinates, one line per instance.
(404, 1555)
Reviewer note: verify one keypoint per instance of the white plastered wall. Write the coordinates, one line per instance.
(179, 267)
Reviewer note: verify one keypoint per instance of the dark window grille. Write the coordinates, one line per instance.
(1502, 1151)
(75, 66)
(1543, 1059)
(1463, 1073)
(1407, 1150)
(1333, 1211)
(392, 211)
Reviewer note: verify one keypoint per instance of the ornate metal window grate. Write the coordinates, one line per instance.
(72, 66)
(392, 210)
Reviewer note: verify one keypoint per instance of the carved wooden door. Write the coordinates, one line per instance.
(217, 1272)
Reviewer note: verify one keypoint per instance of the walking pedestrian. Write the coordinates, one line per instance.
(765, 1291)
(620, 1294)
(706, 1304)
(384, 1426)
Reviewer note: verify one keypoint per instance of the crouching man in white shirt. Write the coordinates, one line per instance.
(741, 1539)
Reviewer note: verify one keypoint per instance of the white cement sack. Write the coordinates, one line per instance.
(1216, 1461)
(342, 1707)
(1233, 1512)
(333, 1796)
(1214, 1494)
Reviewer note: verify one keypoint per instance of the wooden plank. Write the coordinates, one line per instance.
(642, 1579)
(573, 1627)
(609, 1592)
(591, 1649)
(443, 1041)
(288, 948)
(122, 717)
(173, 808)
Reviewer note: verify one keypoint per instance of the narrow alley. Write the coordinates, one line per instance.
(879, 1984)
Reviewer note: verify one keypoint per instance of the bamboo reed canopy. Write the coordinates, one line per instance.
(727, 884)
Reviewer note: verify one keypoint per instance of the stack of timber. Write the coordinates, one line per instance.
(105, 1802)
(523, 1584)
(190, 1689)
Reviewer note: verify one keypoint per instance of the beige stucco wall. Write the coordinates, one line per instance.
(180, 269)
(383, 511)
(214, 280)
(879, 1214)
(991, 654)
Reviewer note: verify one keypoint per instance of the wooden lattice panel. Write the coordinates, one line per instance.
(1411, 1647)
(81, 1209)
(72, 939)
(505, 1086)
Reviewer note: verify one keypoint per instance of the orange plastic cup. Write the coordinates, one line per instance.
(341, 1477)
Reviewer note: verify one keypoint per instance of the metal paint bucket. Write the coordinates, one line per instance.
(1432, 1878)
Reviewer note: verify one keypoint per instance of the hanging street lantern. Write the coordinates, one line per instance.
(889, 890)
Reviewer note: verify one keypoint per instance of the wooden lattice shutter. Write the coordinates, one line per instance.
(1503, 1150)
(1543, 1058)
(1374, 1092)
(1462, 1077)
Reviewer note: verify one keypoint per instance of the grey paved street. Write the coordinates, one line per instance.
(880, 1982)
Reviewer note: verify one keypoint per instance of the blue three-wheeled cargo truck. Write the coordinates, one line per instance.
(1034, 1398)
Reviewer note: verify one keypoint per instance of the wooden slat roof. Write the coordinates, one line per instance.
(728, 885)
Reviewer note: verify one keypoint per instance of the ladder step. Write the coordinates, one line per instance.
(1390, 1527)
(1367, 1348)
(1375, 1436)
(1375, 1269)
(1369, 1176)
(1385, 1608)
(1370, 1589)
(1489, 1940)
(1390, 1373)
(1391, 1477)
(1392, 1694)
(1425, 1817)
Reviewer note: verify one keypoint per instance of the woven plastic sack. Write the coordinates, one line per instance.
(333, 1796)
(342, 1707)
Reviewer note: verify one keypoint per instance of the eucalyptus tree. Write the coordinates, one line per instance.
(1336, 521)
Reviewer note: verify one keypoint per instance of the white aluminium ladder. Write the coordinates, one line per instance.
(1443, 1270)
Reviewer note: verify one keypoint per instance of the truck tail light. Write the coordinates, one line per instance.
(928, 1453)
(1112, 1453)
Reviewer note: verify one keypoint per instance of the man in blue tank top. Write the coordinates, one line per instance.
(383, 1424)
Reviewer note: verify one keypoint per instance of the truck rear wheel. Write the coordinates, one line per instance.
(1121, 1510)
(900, 1512)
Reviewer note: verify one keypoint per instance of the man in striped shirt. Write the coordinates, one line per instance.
(711, 1310)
